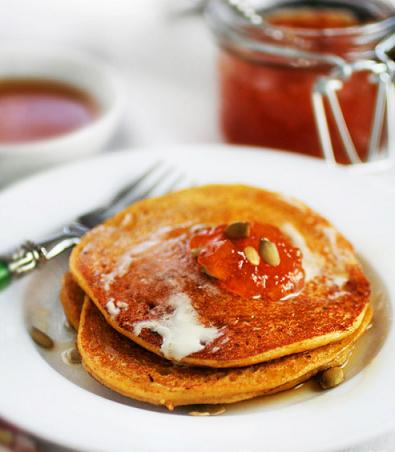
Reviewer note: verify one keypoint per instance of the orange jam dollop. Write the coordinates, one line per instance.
(225, 260)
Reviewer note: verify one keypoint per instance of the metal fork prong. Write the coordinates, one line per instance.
(126, 190)
(184, 182)
(178, 182)
(122, 199)
(150, 190)
(174, 184)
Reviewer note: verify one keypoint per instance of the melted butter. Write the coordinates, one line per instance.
(144, 246)
(290, 296)
(125, 260)
(112, 309)
(294, 202)
(182, 333)
(338, 294)
(340, 253)
(312, 263)
(120, 269)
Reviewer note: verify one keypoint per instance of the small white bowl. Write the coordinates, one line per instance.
(77, 69)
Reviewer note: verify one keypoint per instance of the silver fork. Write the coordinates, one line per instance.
(31, 255)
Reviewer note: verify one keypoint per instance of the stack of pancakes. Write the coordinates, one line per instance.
(153, 327)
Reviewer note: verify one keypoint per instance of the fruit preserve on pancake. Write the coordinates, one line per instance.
(240, 261)
(155, 274)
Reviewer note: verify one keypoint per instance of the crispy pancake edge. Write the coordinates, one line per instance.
(229, 390)
(296, 347)
(233, 385)
(72, 299)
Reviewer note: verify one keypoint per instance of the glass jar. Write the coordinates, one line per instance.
(266, 87)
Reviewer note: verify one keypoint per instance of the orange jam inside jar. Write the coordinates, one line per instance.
(243, 266)
(265, 92)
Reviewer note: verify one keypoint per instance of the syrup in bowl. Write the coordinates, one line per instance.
(35, 109)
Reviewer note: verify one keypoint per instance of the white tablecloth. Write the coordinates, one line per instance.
(168, 65)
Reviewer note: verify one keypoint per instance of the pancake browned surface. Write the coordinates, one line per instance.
(132, 371)
(128, 369)
(136, 262)
(72, 298)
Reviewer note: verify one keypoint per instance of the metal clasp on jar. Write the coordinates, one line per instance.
(327, 87)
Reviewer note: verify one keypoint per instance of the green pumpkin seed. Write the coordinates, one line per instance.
(6, 438)
(67, 325)
(237, 230)
(213, 410)
(331, 377)
(41, 339)
(252, 255)
(269, 252)
(204, 270)
(196, 251)
(73, 356)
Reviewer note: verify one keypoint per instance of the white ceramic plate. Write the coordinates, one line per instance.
(60, 403)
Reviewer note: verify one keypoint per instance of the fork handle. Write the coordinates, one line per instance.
(31, 255)
(5, 275)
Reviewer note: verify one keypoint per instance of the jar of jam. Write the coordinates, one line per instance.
(268, 72)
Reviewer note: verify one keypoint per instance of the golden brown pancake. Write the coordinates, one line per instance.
(134, 266)
(72, 299)
(123, 366)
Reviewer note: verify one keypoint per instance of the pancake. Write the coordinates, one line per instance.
(130, 370)
(72, 299)
(138, 271)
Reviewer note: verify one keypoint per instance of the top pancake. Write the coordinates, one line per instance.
(138, 271)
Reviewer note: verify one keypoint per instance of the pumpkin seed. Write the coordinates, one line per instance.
(41, 339)
(74, 357)
(195, 252)
(331, 377)
(269, 252)
(237, 230)
(6, 437)
(252, 255)
(204, 270)
(67, 325)
(199, 413)
(208, 411)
